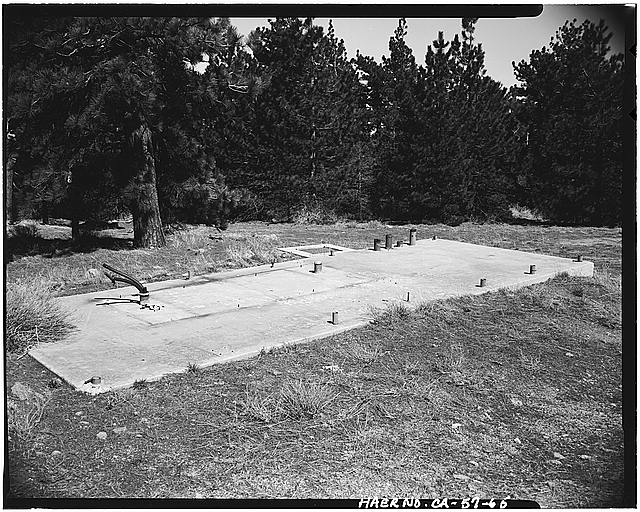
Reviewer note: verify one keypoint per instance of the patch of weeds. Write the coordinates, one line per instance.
(372, 224)
(530, 362)
(305, 399)
(393, 313)
(33, 316)
(116, 398)
(441, 311)
(140, 384)
(315, 215)
(361, 353)
(611, 283)
(24, 415)
(260, 407)
(524, 213)
(541, 296)
(285, 348)
(193, 368)
(454, 360)
(255, 250)
(187, 238)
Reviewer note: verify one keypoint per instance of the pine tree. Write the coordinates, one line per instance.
(309, 122)
(398, 93)
(571, 102)
(108, 89)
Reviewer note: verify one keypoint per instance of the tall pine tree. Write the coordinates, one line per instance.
(111, 88)
(570, 98)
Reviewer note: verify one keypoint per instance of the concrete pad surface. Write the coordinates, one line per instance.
(232, 315)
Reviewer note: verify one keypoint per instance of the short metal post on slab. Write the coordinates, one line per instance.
(483, 282)
(388, 243)
(413, 236)
(317, 267)
(334, 318)
(377, 242)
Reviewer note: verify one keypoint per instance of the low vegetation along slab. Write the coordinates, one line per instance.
(511, 393)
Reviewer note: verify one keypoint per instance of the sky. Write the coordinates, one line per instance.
(503, 39)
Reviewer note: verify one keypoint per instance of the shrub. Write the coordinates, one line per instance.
(22, 238)
(33, 316)
(315, 215)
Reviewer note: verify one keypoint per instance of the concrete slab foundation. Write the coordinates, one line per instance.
(232, 315)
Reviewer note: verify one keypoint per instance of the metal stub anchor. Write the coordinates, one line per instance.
(95, 380)
(331, 253)
(408, 296)
(435, 237)
(532, 269)
(377, 242)
(388, 241)
(579, 258)
(334, 318)
(413, 236)
(399, 243)
(483, 283)
(317, 267)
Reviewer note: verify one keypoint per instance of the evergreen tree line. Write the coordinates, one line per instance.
(179, 119)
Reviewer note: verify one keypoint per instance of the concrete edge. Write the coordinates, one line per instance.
(584, 269)
(246, 354)
(260, 269)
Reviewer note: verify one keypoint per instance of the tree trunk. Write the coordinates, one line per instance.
(74, 210)
(147, 225)
(75, 228)
(8, 189)
(44, 212)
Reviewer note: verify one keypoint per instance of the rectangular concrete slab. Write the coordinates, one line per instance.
(236, 314)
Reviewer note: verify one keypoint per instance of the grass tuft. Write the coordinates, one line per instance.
(260, 407)
(305, 399)
(393, 313)
(193, 368)
(140, 384)
(33, 316)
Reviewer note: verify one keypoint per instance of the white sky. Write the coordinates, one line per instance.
(503, 39)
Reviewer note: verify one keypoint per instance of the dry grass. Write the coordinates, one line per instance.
(23, 416)
(319, 215)
(33, 316)
(252, 251)
(465, 397)
(295, 399)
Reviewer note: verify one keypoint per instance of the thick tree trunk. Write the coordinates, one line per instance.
(75, 228)
(8, 188)
(44, 212)
(147, 225)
